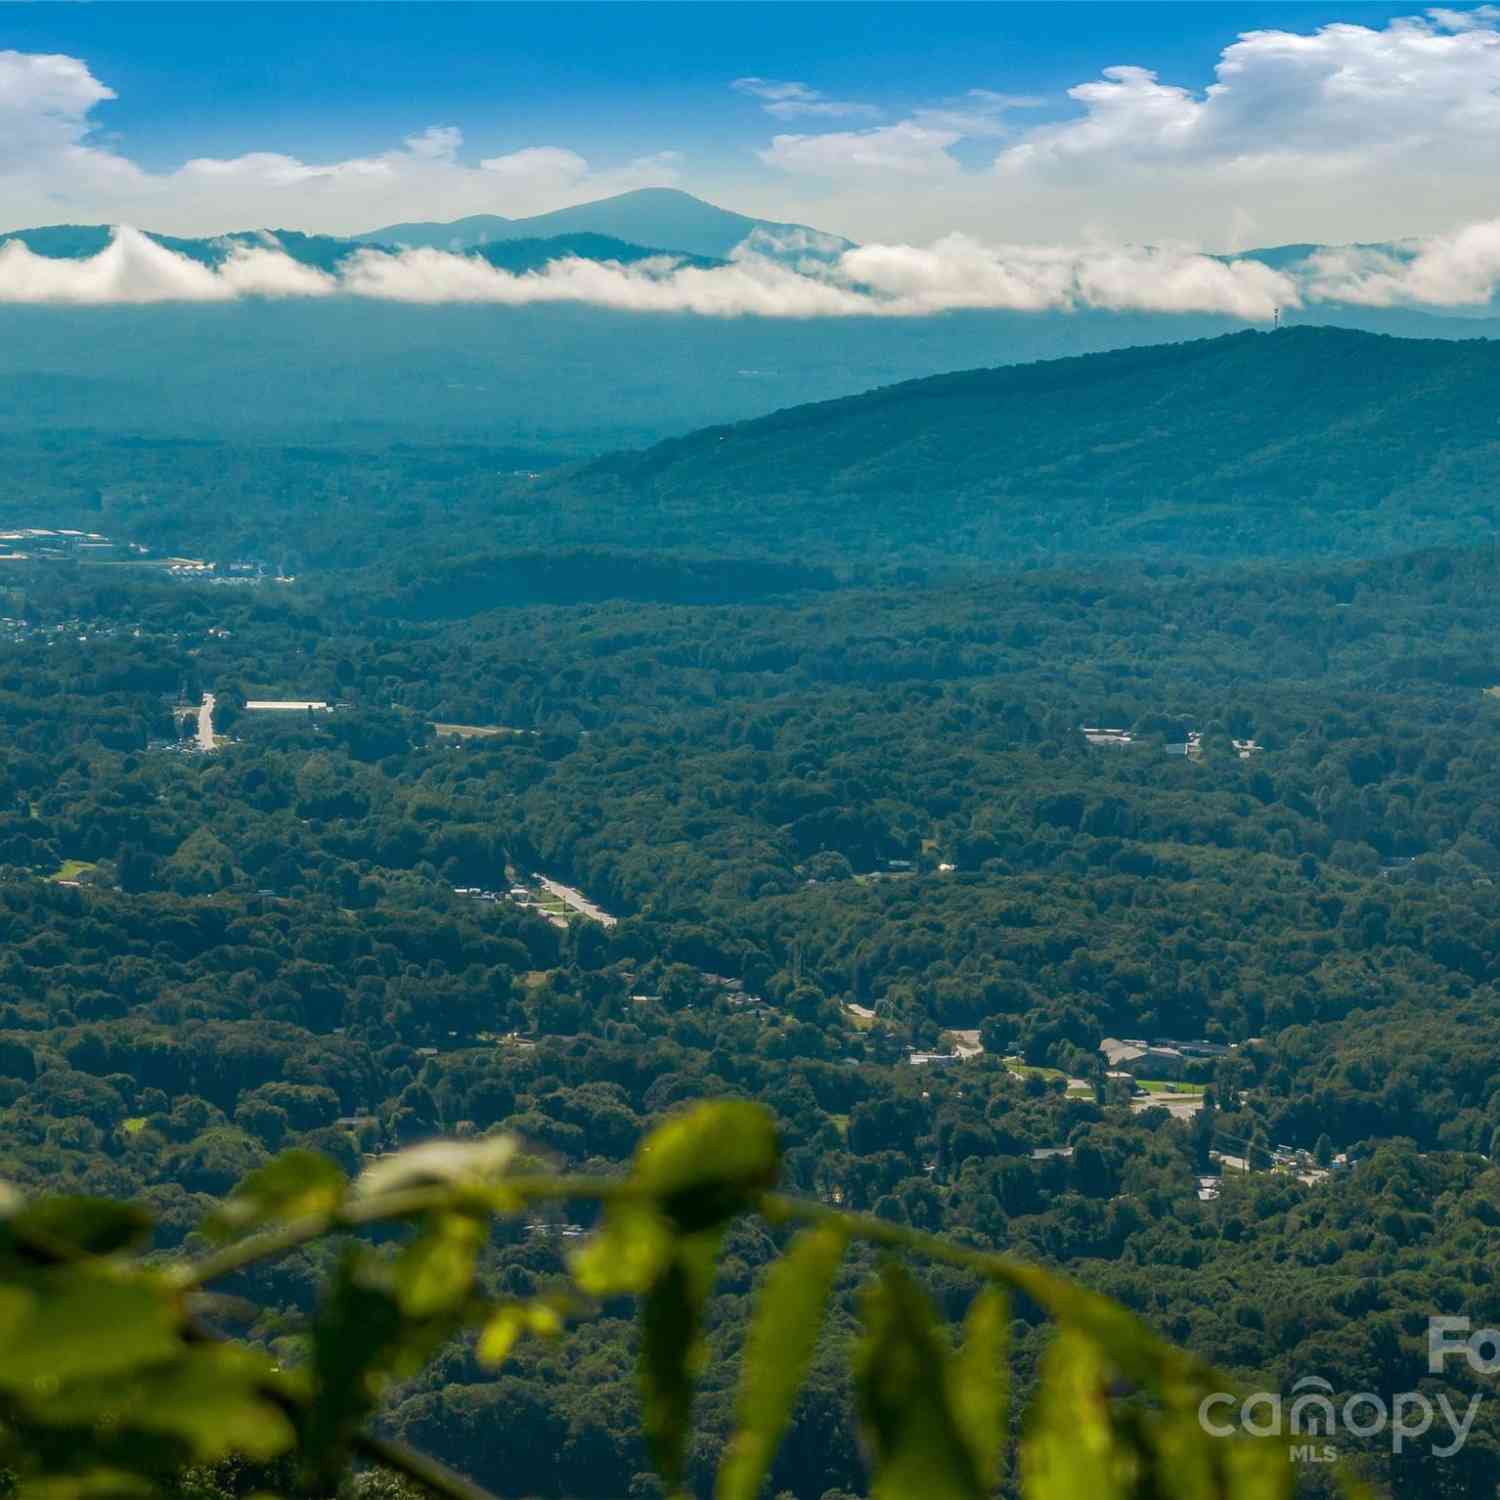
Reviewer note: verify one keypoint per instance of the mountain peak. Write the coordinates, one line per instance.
(660, 216)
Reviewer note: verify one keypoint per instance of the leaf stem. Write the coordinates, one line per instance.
(1136, 1349)
(507, 1194)
(433, 1476)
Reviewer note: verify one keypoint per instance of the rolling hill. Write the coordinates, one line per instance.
(1303, 442)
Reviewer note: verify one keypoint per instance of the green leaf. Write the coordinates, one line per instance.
(70, 1323)
(629, 1252)
(709, 1163)
(475, 1164)
(978, 1382)
(97, 1482)
(294, 1185)
(356, 1328)
(212, 1396)
(1070, 1446)
(778, 1350)
(901, 1383)
(1186, 1462)
(65, 1228)
(694, 1172)
(508, 1322)
(436, 1271)
(1178, 1378)
(672, 1351)
(363, 1338)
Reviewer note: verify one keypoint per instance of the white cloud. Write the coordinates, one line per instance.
(1345, 93)
(1345, 133)
(979, 114)
(916, 147)
(1459, 269)
(135, 269)
(559, 168)
(53, 169)
(45, 100)
(958, 272)
(1326, 135)
(900, 281)
(436, 143)
(902, 150)
(791, 101)
(1479, 18)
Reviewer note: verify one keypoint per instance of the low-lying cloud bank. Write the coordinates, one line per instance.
(1461, 269)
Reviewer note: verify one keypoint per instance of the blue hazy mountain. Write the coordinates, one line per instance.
(648, 216)
(570, 378)
(327, 252)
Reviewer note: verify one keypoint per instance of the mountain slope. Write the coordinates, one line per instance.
(1310, 441)
(648, 216)
(435, 234)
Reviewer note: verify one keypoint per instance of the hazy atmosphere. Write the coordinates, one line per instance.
(749, 751)
(990, 171)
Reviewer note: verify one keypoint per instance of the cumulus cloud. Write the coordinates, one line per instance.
(1344, 93)
(790, 101)
(1301, 135)
(1346, 132)
(45, 100)
(53, 167)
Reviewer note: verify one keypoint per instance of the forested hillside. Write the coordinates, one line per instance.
(837, 827)
(1302, 442)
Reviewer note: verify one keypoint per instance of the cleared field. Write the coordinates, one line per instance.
(477, 731)
(1077, 1086)
(71, 869)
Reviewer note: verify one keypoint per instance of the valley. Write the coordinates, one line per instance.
(749, 752)
(265, 944)
(879, 829)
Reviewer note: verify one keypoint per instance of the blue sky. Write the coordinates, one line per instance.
(341, 79)
(887, 121)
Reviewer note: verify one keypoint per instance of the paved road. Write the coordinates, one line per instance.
(206, 722)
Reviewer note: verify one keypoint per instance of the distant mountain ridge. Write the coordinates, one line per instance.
(328, 253)
(83, 241)
(647, 216)
(1306, 441)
